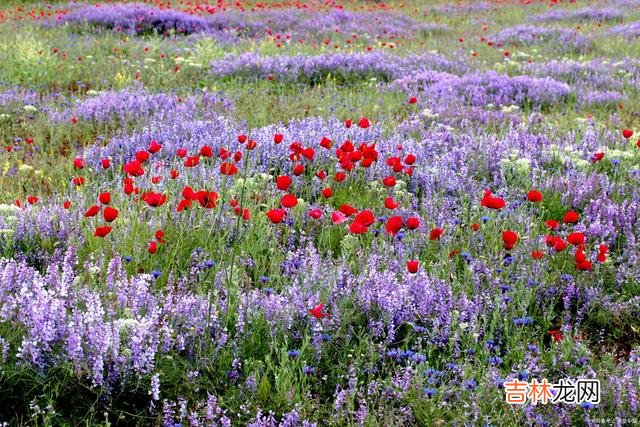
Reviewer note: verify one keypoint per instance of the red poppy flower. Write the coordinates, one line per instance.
(224, 154)
(397, 167)
(174, 174)
(142, 156)
(105, 198)
(321, 174)
(584, 265)
(277, 138)
(327, 192)
(206, 151)
(391, 161)
(393, 225)
(559, 245)
(78, 180)
(413, 223)
(188, 193)
(436, 233)
(251, 144)
(289, 201)
(556, 335)
(315, 213)
(133, 168)
(242, 138)
(154, 199)
(92, 211)
(228, 169)
(347, 123)
(181, 152)
(537, 254)
(102, 231)
(549, 240)
(154, 147)
(110, 214)
(597, 157)
(159, 235)
(357, 228)
(283, 182)
(410, 159)
(552, 224)
(183, 204)
(340, 176)
(318, 311)
(364, 123)
(325, 142)
(66, 204)
(191, 161)
(338, 217)
(347, 209)
(153, 247)
(571, 217)
(78, 163)
(106, 163)
(475, 226)
(389, 203)
(534, 196)
(412, 266)
(389, 181)
(276, 215)
(412, 100)
(207, 199)
(365, 218)
(488, 201)
(576, 238)
(627, 133)
(308, 153)
(509, 239)
(298, 169)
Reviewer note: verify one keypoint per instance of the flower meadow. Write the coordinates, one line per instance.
(310, 213)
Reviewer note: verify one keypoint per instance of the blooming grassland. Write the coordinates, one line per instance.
(309, 213)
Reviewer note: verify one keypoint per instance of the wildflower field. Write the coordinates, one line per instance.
(319, 213)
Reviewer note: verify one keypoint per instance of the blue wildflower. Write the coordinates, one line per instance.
(469, 384)
(293, 354)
